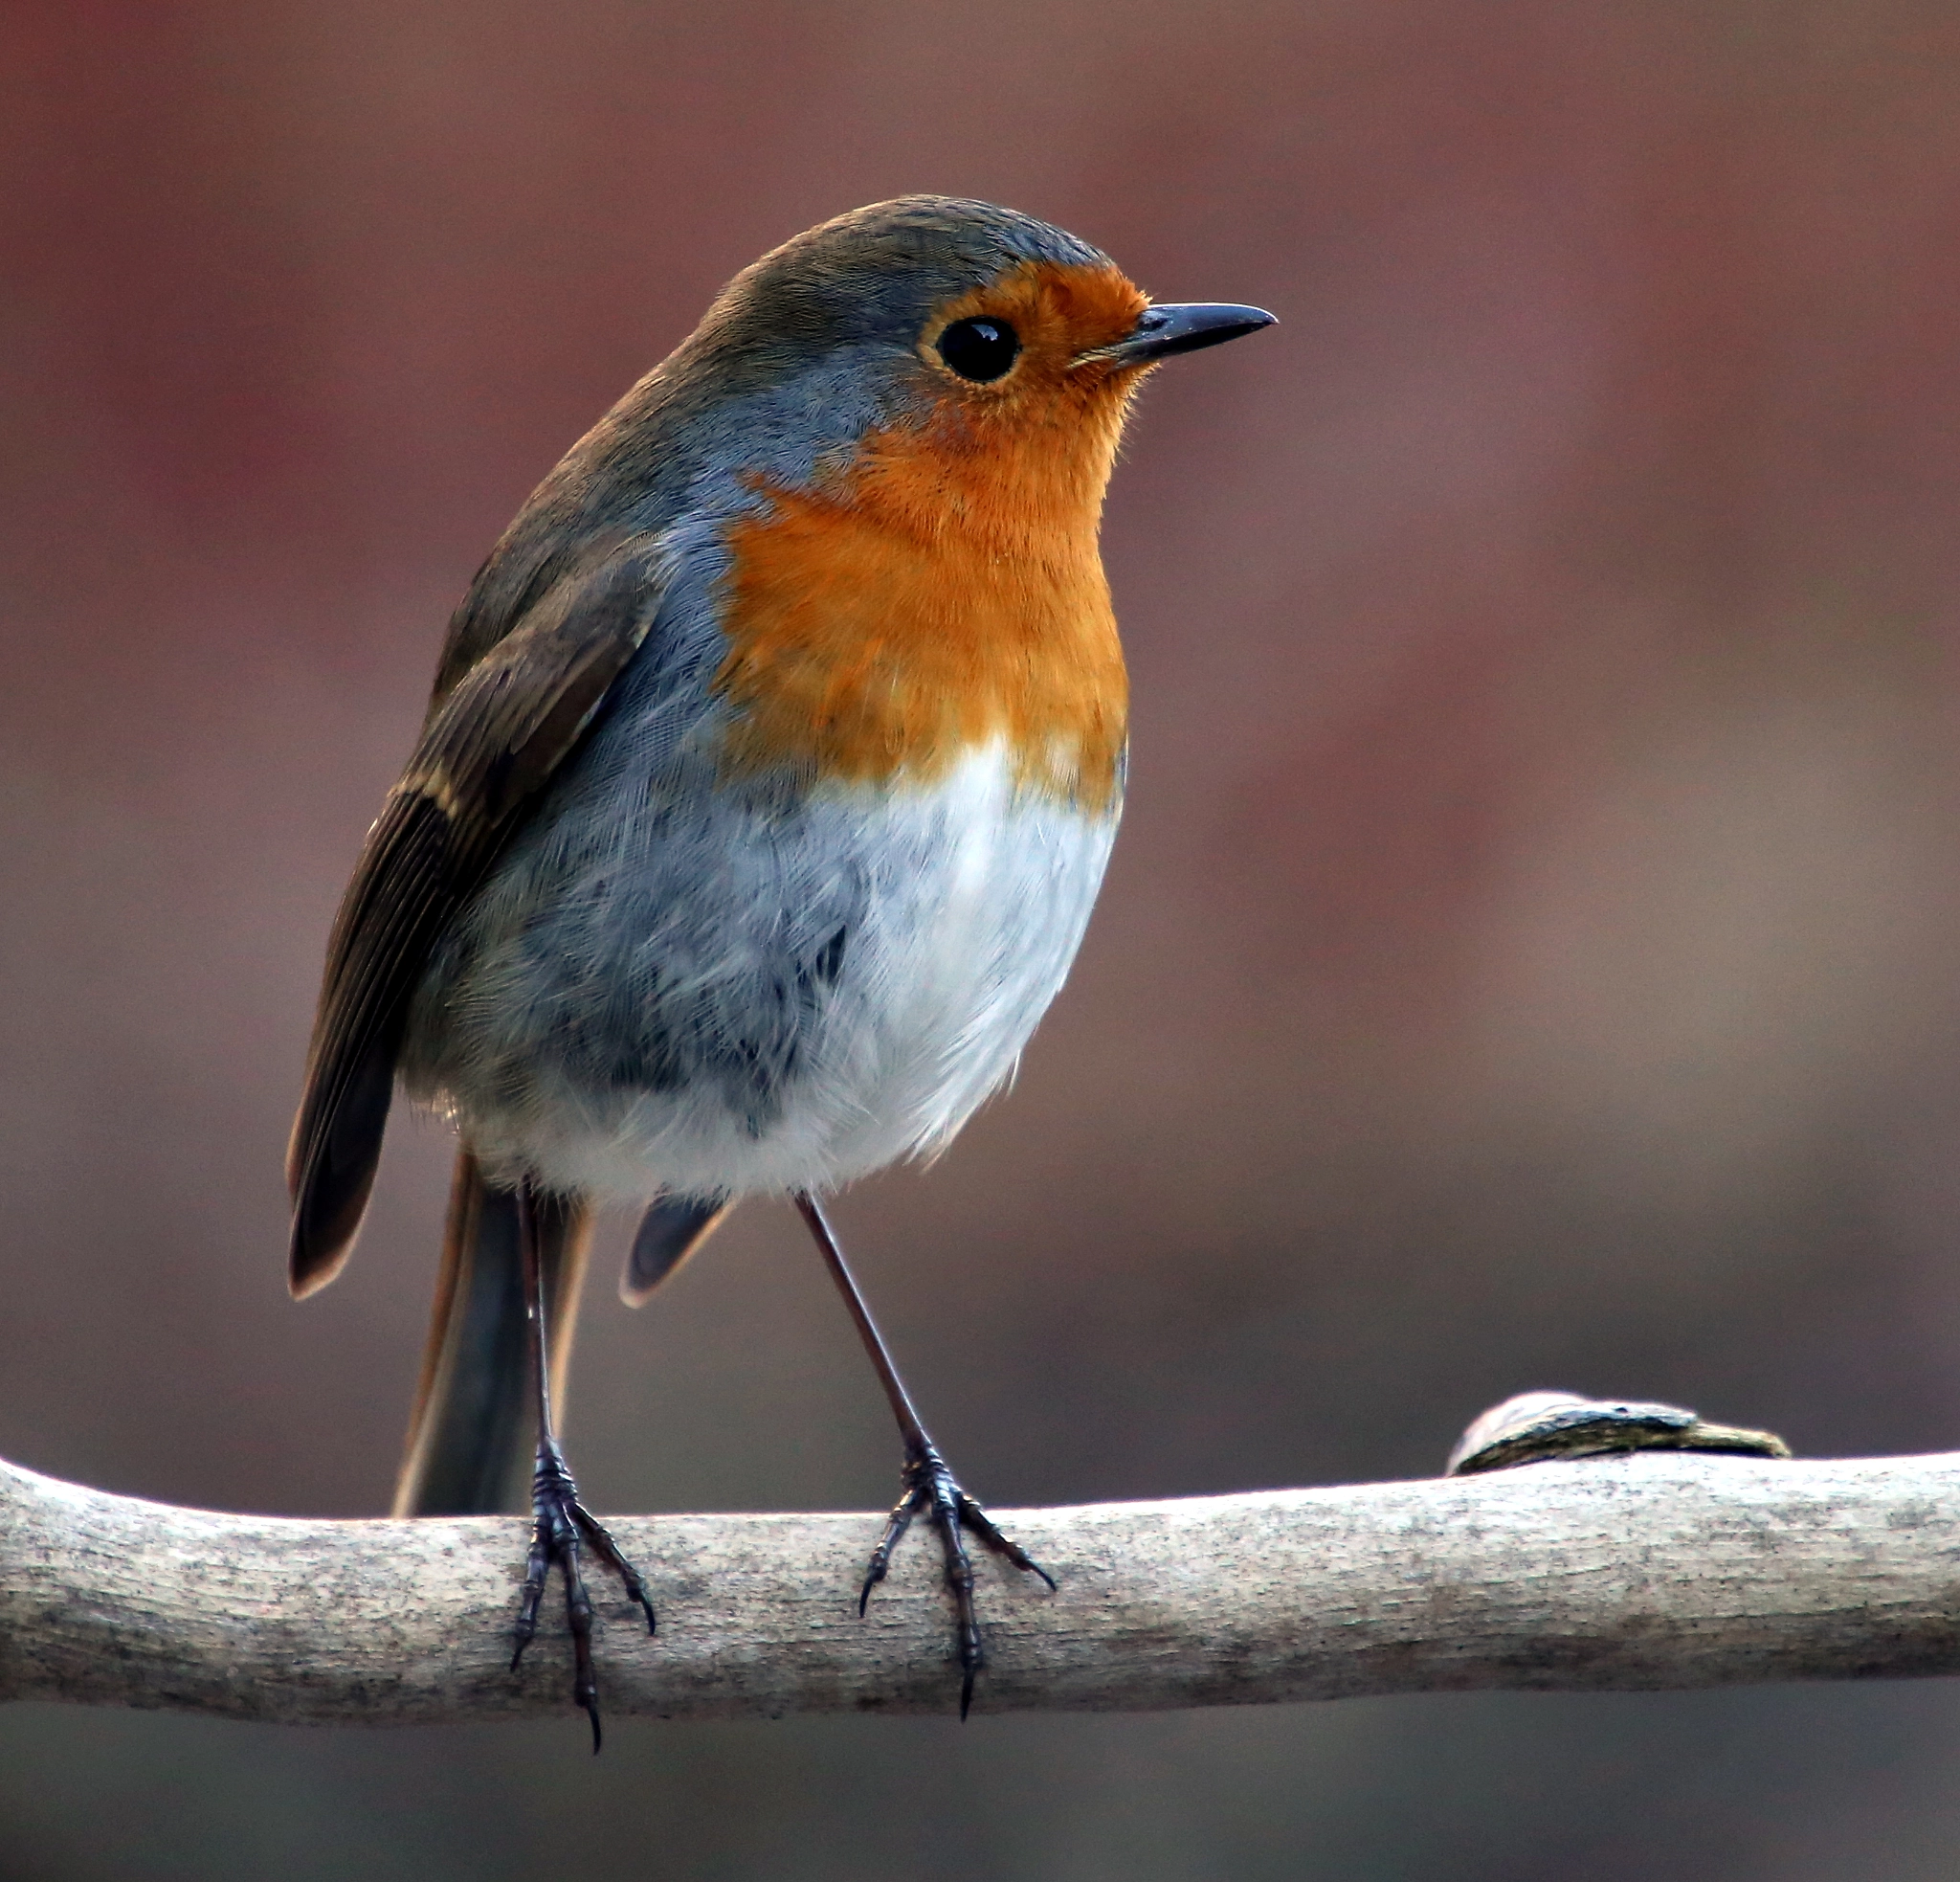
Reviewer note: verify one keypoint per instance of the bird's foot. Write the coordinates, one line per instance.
(559, 1521)
(930, 1488)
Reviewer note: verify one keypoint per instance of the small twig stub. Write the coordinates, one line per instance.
(1536, 1426)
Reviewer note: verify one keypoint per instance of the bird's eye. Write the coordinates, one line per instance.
(980, 349)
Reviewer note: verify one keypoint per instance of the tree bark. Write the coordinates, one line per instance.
(1633, 1571)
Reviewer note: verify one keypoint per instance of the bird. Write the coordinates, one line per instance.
(771, 767)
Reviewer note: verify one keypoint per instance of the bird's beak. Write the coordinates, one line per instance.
(1160, 331)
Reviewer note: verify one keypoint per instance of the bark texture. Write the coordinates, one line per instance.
(1642, 1571)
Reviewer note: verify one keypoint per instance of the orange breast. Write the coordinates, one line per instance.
(942, 591)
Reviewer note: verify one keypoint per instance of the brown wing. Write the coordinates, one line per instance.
(487, 750)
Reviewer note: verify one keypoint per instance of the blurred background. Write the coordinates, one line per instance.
(1527, 961)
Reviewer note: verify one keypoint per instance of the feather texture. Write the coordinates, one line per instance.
(485, 753)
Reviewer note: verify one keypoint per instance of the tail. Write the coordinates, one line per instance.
(470, 1435)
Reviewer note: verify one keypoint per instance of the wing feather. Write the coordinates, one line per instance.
(672, 1229)
(488, 750)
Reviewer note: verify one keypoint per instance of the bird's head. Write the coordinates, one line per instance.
(968, 366)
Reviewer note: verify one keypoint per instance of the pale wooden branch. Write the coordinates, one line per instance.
(1645, 1570)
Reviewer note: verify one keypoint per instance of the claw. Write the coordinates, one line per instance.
(608, 1552)
(895, 1527)
(926, 1479)
(930, 1484)
(558, 1520)
(984, 1527)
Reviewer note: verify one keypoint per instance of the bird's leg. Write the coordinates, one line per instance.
(560, 1518)
(930, 1486)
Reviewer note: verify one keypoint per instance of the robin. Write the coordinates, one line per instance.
(774, 760)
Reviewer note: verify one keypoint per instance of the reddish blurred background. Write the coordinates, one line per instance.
(1527, 961)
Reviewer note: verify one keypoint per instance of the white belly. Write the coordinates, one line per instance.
(726, 998)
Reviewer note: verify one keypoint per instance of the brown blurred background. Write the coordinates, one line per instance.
(1527, 961)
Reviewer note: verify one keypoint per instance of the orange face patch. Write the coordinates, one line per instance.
(945, 589)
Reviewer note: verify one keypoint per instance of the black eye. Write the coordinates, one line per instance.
(980, 349)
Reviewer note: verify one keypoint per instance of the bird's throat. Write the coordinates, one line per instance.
(943, 592)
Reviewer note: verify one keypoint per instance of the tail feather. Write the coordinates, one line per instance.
(673, 1228)
(470, 1434)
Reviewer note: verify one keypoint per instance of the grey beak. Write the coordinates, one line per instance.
(1160, 331)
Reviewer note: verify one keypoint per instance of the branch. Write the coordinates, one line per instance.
(1632, 1572)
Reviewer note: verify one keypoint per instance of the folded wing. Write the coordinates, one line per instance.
(489, 748)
